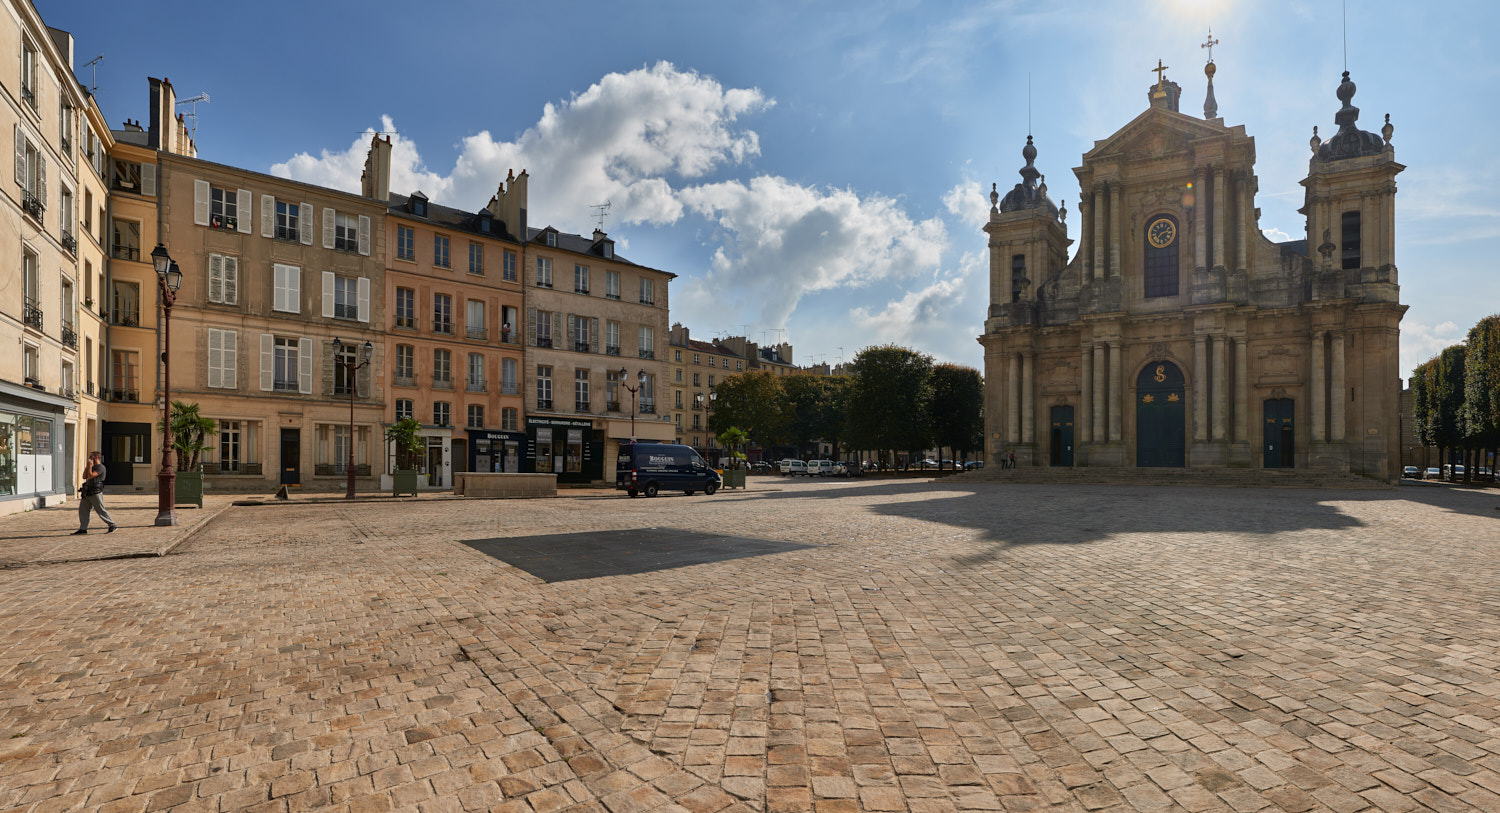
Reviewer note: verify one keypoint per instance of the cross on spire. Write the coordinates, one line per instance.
(1209, 44)
(1160, 71)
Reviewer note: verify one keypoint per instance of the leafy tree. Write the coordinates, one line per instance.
(405, 434)
(889, 399)
(1447, 394)
(190, 432)
(1422, 412)
(732, 439)
(957, 409)
(1481, 393)
(752, 401)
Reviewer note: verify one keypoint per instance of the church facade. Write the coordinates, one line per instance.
(1179, 335)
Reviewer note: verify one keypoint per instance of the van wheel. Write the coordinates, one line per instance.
(651, 489)
(632, 492)
(709, 489)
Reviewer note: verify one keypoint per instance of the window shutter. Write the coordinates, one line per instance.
(557, 331)
(572, 331)
(304, 365)
(278, 290)
(229, 347)
(364, 235)
(41, 179)
(594, 334)
(20, 155)
(267, 216)
(200, 202)
(364, 299)
(215, 358)
(294, 289)
(242, 208)
(148, 180)
(362, 378)
(531, 326)
(328, 293)
(215, 286)
(327, 227)
(231, 280)
(305, 223)
(267, 362)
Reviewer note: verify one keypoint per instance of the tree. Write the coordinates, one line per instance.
(889, 399)
(753, 402)
(1446, 394)
(1481, 399)
(957, 409)
(732, 439)
(405, 434)
(190, 432)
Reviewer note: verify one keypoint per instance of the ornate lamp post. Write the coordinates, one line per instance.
(625, 376)
(351, 372)
(168, 280)
(707, 405)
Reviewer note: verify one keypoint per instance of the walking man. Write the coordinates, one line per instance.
(91, 496)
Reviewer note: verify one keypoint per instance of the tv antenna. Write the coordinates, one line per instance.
(601, 211)
(192, 113)
(93, 65)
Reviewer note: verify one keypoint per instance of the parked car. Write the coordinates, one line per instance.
(974, 464)
(646, 468)
(790, 467)
(760, 467)
(819, 468)
(1432, 473)
(1411, 471)
(840, 468)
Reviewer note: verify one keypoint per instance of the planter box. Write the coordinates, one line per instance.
(404, 482)
(495, 485)
(189, 488)
(734, 478)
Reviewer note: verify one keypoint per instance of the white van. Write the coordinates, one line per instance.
(820, 468)
(793, 467)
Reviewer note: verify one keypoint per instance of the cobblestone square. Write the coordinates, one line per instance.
(937, 646)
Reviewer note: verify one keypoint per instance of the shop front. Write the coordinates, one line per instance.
(33, 463)
(569, 448)
(492, 451)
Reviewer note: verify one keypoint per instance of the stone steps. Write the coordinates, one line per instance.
(1216, 477)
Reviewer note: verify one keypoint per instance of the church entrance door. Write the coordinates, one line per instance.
(1280, 436)
(1160, 417)
(1062, 436)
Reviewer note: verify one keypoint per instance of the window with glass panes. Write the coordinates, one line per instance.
(345, 298)
(442, 367)
(442, 313)
(476, 257)
(581, 389)
(442, 413)
(508, 385)
(405, 371)
(403, 408)
(342, 441)
(544, 386)
(508, 266)
(440, 250)
(544, 272)
(581, 279)
(648, 292)
(287, 225)
(406, 308)
(476, 372)
(648, 342)
(343, 369)
(345, 232)
(229, 446)
(286, 352)
(223, 208)
(510, 418)
(612, 284)
(612, 338)
(476, 416)
(406, 243)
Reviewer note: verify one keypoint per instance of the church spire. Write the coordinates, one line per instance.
(1349, 141)
(1210, 104)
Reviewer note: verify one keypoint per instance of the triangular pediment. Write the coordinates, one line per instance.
(1157, 132)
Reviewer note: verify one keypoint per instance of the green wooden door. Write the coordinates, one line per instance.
(1280, 433)
(1160, 417)
(1062, 436)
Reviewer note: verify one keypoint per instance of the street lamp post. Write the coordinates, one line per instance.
(351, 373)
(707, 405)
(625, 376)
(168, 280)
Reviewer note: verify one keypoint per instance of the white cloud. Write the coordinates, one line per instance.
(1276, 235)
(943, 318)
(1421, 342)
(342, 170)
(967, 200)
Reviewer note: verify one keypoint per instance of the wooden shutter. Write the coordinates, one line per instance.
(148, 180)
(305, 223)
(200, 202)
(20, 155)
(215, 284)
(594, 335)
(572, 332)
(267, 362)
(242, 208)
(294, 289)
(41, 180)
(229, 347)
(531, 326)
(328, 293)
(364, 299)
(327, 227)
(362, 378)
(304, 365)
(364, 235)
(278, 287)
(231, 280)
(557, 323)
(267, 216)
(215, 358)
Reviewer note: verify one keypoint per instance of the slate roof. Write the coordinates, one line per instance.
(448, 218)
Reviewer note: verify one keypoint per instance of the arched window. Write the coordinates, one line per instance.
(1162, 238)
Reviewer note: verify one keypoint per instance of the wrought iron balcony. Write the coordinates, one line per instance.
(126, 396)
(611, 406)
(224, 222)
(612, 350)
(648, 300)
(69, 242)
(615, 297)
(582, 347)
(541, 284)
(32, 205)
(544, 341)
(67, 146)
(442, 383)
(69, 336)
(474, 386)
(580, 290)
(406, 322)
(648, 408)
(647, 353)
(33, 314)
(477, 333)
(122, 252)
(405, 380)
(510, 388)
(544, 403)
(289, 234)
(581, 407)
(28, 95)
(442, 327)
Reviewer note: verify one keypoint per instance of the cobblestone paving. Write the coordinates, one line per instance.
(940, 648)
(45, 536)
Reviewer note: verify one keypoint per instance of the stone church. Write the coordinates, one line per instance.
(1179, 335)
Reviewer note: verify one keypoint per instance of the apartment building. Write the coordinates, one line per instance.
(453, 290)
(93, 143)
(39, 316)
(697, 367)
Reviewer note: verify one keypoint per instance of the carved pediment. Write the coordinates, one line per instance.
(1156, 133)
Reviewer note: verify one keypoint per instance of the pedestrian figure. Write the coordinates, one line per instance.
(91, 496)
(1011, 458)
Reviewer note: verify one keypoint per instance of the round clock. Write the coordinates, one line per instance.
(1162, 232)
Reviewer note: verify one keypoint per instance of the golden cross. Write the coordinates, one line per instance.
(1209, 44)
(1160, 71)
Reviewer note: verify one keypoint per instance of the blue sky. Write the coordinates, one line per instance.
(816, 171)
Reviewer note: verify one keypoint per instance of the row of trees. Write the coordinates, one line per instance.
(1456, 397)
(894, 400)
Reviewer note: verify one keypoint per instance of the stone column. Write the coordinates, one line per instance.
(1028, 406)
(1242, 234)
(1085, 421)
(1241, 390)
(1013, 401)
(1200, 220)
(1098, 241)
(1200, 389)
(1085, 234)
(1220, 217)
(1115, 221)
(1319, 387)
(1101, 369)
(1116, 390)
(1388, 226)
(1220, 404)
(1336, 391)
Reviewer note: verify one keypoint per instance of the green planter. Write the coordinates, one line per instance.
(189, 488)
(734, 478)
(404, 481)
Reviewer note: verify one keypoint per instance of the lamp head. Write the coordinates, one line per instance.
(623, 374)
(338, 346)
(643, 377)
(161, 259)
(173, 277)
(366, 352)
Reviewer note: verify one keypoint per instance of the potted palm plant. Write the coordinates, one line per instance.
(191, 431)
(734, 470)
(404, 436)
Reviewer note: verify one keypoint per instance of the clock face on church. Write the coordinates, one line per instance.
(1162, 232)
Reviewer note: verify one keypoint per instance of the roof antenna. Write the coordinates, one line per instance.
(1346, 36)
(192, 113)
(601, 210)
(1028, 103)
(94, 73)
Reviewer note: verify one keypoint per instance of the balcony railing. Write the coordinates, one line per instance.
(67, 146)
(69, 393)
(615, 296)
(477, 333)
(28, 95)
(541, 284)
(125, 396)
(343, 310)
(32, 205)
(582, 347)
(648, 300)
(224, 222)
(35, 383)
(509, 337)
(580, 289)
(121, 252)
(405, 380)
(544, 341)
(442, 383)
(648, 408)
(33, 314)
(284, 233)
(69, 242)
(611, 406)
(88, 389)
(509, 388)
(407, 322)
(647, 353)
(69, 336)
(127, 318)
(474, 386)
(544, 403)
(612, 350)
(442, 327)
(581, 407)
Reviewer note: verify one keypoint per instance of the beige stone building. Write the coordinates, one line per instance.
(697, 367)
(589, 314)
(1179, 335)
(94, 142)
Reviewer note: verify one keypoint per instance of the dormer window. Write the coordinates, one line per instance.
(418, 204)
(608, 249)
(552, 239)
(483, 221)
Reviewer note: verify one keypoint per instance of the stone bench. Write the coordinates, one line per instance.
(492, 485)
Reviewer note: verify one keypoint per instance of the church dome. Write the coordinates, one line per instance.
(1028, 194)
(1349, 141)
